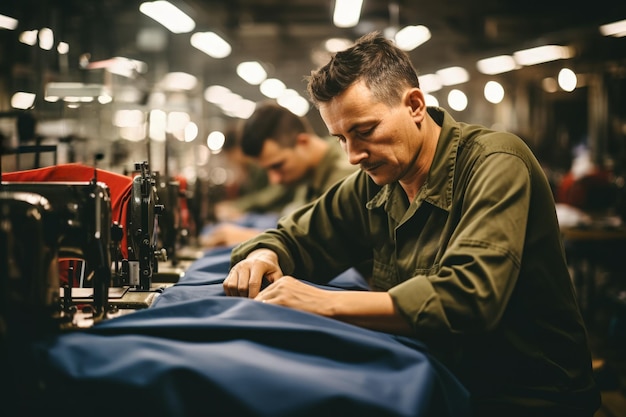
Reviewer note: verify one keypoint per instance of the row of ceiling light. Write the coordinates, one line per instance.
(346, 13)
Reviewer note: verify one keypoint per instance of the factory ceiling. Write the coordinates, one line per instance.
(287, 36)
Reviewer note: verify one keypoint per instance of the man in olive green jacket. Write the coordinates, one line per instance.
(459, 224)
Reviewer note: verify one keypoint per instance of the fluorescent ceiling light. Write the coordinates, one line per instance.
(410, 37)
(615, 29)
(71, 89)
(429, 83)
(7, 22)
(337, 44)
(211, 44)
(453, 75)
(542, 54)
(170, 16)
(176, 81)
(217, 94)
(46, 38)
(29, 37)
(496, 65)
(272, 87)
(22, 100)
(493, 92)
(252, 72)
(567, 79)
(294, 102)
(63, 48)
(347, 13)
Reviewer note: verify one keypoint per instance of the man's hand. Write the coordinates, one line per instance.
(246, 277)
(291, 292)
(370, 309)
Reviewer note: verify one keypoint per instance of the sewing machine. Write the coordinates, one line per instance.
(173, 233)
(78, 226)
(29, 279)
(142, 232)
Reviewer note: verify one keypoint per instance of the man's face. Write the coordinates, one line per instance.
(286, 166)
(383, 140)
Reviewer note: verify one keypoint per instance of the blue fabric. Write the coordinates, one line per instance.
(195, 352)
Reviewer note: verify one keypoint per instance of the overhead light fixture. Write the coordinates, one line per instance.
(493, 92)
(496, 65)
(337, 44)
(272, 87)
(429, 83)
(541, 54)
(410, 37)
(63, 48)
(74, 90)
(347, 13)
(457, 100)
(453, 75)
(46, 38)
(177, 81)
(216, 94)
(615, 29)
(567, 79)
(170, 16)
(294, 102)
(22, 100)
(211, 44)
(251, 72)
(29, 37)
(7, 22)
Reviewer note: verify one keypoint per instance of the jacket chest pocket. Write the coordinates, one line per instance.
(412, 254)
(384, 274)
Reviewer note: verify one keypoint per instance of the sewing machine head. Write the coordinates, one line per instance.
(80, 212)
(142, 230)
(29, 278)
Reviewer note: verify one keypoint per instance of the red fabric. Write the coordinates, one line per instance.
(120, 186)
(184, 209)
(590, 192)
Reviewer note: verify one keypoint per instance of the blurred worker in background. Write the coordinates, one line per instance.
(459, 222)
(294, 157)
(250, 189)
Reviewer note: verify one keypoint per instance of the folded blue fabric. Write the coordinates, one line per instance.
(197, 354)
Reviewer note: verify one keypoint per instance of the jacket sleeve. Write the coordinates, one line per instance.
(321, 239)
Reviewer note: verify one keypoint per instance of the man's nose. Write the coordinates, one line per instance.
(274, 177)
(355, 154)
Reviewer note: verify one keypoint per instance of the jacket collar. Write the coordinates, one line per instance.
(439, 185)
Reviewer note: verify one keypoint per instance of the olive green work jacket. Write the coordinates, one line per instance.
(475, 263)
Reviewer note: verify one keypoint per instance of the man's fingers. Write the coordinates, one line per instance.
(244, 280)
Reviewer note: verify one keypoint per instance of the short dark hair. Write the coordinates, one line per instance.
(271, 121)
(232, 138)
(385, 68)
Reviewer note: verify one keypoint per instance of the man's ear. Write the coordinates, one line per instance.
(302, 138)
(415, 101)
